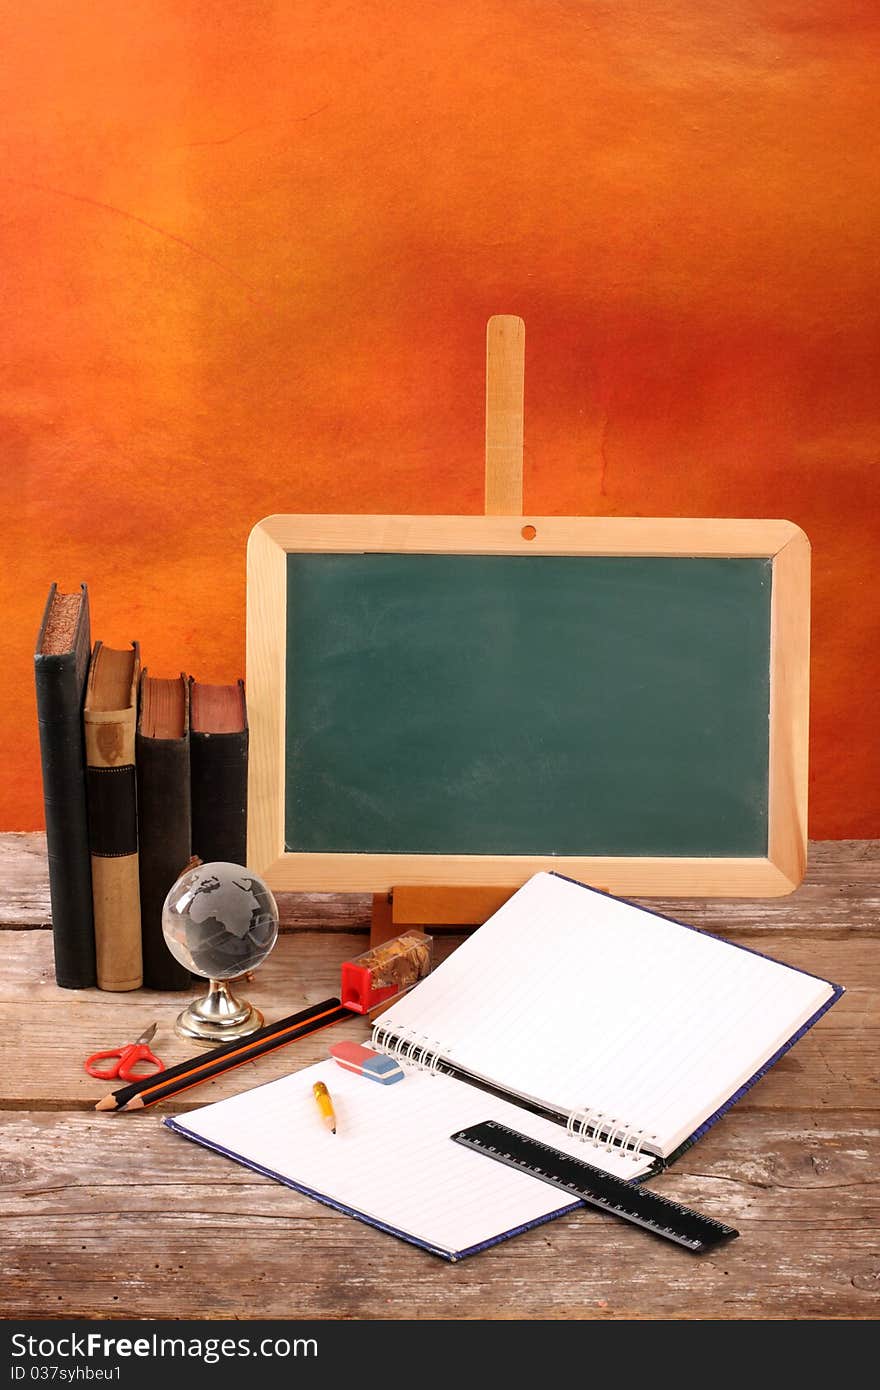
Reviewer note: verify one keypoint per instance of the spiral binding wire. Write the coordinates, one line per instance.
(418, 1052)
(606, 1132)
(411, 1049)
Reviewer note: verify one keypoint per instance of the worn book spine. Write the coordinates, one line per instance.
(112, 805)
(163, 786)
(60, 686)
(219, 771)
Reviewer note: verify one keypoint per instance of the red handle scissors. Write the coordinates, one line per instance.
(127, 1058)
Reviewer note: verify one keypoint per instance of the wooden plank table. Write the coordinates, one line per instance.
(113, 1215)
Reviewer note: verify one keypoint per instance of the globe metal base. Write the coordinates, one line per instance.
(219, 1017)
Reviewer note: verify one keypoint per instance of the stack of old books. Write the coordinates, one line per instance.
(139, 774)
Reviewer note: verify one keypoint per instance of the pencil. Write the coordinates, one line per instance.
(148, 1090)
(325, 1105)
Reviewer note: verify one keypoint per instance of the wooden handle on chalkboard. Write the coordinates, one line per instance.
(505, 358)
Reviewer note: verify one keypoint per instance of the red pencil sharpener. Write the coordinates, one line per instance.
(378, 975)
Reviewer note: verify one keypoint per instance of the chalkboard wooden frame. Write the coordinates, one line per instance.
(782, 542)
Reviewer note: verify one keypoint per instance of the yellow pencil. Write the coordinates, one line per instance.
(325, 1105)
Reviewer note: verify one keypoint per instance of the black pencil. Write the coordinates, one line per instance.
(150, 1089)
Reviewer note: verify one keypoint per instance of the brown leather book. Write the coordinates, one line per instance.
(162, 757)
(111, 795)
(219, 762)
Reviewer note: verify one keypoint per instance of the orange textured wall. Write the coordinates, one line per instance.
(250, 250)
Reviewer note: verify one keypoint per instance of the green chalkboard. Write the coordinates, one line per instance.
(542, 704)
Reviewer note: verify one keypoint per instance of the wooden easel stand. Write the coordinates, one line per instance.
(430, 906)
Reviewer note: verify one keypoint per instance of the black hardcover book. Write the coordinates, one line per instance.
(163, 787)
(61, 664)
(219, 769)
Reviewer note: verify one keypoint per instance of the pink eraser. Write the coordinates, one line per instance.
(376, 1066)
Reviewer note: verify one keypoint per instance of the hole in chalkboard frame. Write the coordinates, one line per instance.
(528, 533)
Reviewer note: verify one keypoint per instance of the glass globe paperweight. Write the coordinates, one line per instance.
(220, 921)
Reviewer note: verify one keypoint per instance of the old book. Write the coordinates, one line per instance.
(61, 664)
(163, 792)
(219, 771)
(109, 721)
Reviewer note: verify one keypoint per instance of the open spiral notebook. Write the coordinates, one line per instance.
(603, 1029)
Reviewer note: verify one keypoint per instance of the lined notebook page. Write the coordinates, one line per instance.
(578, 1000)
(392, 1160)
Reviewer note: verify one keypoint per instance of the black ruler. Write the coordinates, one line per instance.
(595, 1187)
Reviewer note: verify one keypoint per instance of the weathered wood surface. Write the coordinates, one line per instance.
(841, 892)
(115, 1214)
(103, 1217)
(24, 893)
(835, 1065)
